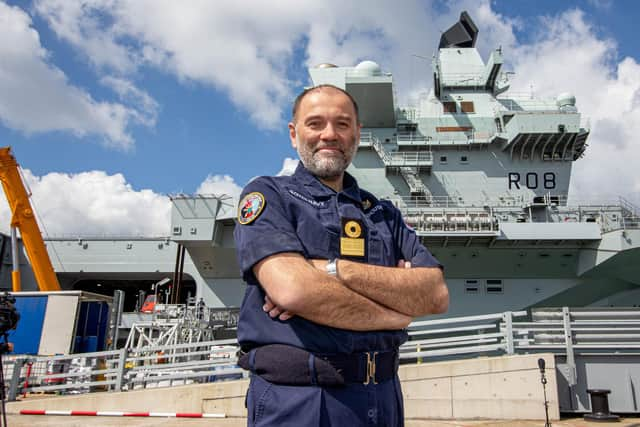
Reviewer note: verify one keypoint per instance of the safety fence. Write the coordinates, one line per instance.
(565, 332)
(121, 370)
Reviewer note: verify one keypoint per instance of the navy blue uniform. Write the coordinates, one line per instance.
(300, 214)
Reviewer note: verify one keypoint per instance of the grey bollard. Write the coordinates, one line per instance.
(600, 406)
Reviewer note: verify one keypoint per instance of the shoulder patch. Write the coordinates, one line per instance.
(250, 207)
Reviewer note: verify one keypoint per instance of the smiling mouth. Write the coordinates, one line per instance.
(328, 150)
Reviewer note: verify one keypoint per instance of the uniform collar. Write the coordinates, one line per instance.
(318, 189)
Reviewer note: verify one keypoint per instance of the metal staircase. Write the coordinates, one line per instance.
(416, 186)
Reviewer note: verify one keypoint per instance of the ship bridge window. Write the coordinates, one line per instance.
(443, 159)
(464, 159)
(467, 107)
(494, 286)
(449, 107)
(408, 127)
(471, 287)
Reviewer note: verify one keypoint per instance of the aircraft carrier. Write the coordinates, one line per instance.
(481, 175)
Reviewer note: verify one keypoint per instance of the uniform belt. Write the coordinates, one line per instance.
(284, 364)
(364, 368)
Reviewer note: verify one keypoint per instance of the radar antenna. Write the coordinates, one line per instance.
(461, 34)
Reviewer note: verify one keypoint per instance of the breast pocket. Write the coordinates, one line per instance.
(320, 242)
(381, 243)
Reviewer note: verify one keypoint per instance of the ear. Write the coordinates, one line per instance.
(292, 135)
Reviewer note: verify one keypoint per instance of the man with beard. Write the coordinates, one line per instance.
(334, 276)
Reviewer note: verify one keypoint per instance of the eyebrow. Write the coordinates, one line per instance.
(322, 117)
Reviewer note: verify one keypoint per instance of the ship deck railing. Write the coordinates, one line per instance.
(524, 102)
(466, 80)
(447, 214)
(368, 139)
(409, 158)
(104, 237)
(563, 331)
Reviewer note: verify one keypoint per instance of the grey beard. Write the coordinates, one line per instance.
(325, 168)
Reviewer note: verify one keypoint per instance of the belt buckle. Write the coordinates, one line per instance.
(371, 368)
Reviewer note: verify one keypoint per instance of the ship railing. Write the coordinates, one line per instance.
(411, 138)
(409, 114)
(459, 336)
(631, 223)
(409, 158)
(453, 223)
(366, 73)
(562, 201)
(366, 139)
(629, 207)
(463, 79)
(100, 237)
(123, 369)
(410, 203)
(575, 332)
(72, 374)
(539, 105)
(565, 331)
(568, 332)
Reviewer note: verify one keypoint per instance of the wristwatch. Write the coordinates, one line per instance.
(332, 267)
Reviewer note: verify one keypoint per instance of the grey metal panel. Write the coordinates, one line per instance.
(618, 373)
(547, 231)
(59, 324)
(375, 102)
(193, 218)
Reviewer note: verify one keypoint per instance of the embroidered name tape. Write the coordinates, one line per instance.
(306, 199)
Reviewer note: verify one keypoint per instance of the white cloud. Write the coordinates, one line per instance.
(81, 25)
(147, 107)
(289, 166)
(568, 56)
(219, 185)
(238, 48)
(246, 48)
(35, 96)
(94, 203)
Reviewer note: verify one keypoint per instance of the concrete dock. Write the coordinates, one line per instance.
(487, 391)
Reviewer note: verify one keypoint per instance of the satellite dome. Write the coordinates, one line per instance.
(566, 99)
(368, 68)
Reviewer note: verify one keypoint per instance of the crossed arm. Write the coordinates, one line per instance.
(363, 297)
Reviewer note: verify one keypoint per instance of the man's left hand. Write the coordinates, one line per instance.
(275, 311)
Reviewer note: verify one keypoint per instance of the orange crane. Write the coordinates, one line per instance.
(23, 218)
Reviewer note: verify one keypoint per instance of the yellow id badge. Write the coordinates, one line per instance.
(352, 241)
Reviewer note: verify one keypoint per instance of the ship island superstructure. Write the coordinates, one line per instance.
(481, 175)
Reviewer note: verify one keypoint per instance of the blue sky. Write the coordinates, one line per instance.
(110, 105)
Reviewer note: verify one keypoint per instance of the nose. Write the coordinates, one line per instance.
(329, 132)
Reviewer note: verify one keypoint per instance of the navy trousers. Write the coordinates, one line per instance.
(353, 405)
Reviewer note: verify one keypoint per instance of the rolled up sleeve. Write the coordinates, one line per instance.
(271, 232)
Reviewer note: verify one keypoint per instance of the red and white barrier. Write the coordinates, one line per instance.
(120, 414)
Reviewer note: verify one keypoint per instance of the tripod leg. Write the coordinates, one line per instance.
(2, 394)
